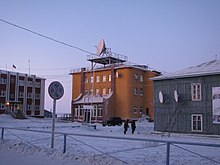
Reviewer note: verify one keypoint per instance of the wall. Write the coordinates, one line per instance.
(176, 117)
(122, 83)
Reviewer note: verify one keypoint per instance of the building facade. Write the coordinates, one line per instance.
(188, 101)
(22, 91)
(112, 90)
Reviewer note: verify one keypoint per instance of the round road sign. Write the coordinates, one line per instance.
(56, 90)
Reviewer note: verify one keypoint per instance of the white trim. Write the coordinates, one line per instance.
(104, 78)
(196, 95)
(196, 130)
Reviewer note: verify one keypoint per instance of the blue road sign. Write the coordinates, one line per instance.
(56, 90)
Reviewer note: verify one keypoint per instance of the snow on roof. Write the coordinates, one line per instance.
(92, 99)
(204, 69)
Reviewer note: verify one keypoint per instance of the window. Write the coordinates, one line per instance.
(196, 92)
(29, 95)
(196, 122)
(86, 80)
(117, 74)
(141, 92)
(109, 77)
(29, 106)
(97, 91)
(76, 112)
(141, 110)
(147, 111)
(136, 76)
(81, 112)
(2, 93)
(104, 91)
(94, 111)
(86, 92)
(21, 95)
(99, 112)
(141, 78)
(97, 78)
(2, 80)
(135, 91)
(103, 78)
(2, 105)
(135, 110)
(92, 79)
(109, 90)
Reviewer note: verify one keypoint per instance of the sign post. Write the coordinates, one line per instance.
(56, 91)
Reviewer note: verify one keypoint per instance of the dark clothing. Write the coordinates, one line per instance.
(133, 126)
(126, 126)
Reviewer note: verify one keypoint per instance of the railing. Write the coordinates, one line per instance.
(168, 143)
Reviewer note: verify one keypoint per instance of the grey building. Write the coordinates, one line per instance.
(19, 91)
(188, 101)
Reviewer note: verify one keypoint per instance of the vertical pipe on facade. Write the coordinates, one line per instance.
(16, 86)
(25, 92)
(82, 87)
(7, 86)
(112, 77)
(93, 83)
(33, 93)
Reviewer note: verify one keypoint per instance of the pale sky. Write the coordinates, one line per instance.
(166, 35)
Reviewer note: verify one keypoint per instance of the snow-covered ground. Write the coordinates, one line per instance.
(31, 146)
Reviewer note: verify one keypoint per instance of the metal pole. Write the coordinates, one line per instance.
(53, 123)
(168, 154)
(2, 133)
(64, 144)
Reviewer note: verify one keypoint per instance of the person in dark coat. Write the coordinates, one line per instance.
(126, 126)
(133, 126)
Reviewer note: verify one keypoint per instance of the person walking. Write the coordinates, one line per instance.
(133, 126)
(126, 126)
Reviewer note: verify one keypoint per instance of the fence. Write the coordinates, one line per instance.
(168, 143)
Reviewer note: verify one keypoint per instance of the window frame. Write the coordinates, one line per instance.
(97, 91)
(196, 91)
(91, 79)
(141, 109)
(104, 91)
(109, 90)
(86, 80)
(197, 124)
(141, 92)
(110, 78)
(97, 78)
(135, 91)
(104, 78)
(2, 93)
(141, 78)
(135, 109)
(136, 76)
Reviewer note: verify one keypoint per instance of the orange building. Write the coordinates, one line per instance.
(116, 89)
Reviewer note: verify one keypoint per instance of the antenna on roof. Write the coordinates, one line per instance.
(101, 47)
(29, 67)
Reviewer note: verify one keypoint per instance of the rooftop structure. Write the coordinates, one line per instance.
(206, 68)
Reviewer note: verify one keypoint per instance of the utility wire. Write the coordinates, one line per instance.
(41, 35)
(38, 68)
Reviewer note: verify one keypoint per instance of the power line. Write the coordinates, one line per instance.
(18, 68)
(44, 36)
(52, 39)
